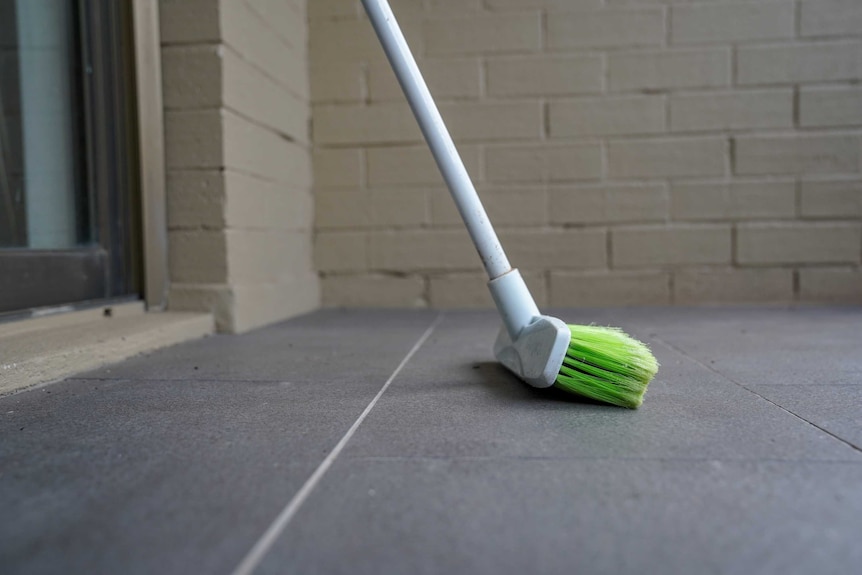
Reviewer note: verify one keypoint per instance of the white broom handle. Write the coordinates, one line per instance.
(438, 138)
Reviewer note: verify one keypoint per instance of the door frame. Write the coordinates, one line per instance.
(151, 151)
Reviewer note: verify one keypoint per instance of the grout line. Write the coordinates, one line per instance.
(578, 458)
(266, 541)
(849, 444)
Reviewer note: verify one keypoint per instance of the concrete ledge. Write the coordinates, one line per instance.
(56, 317)
(39, 351)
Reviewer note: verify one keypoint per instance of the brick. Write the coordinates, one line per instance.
(733, 201)
(337, 83)
(606, 28)
(255, 305)
(668, 69)
(471, 290)
(543, 163)
(399, 207)
(546, 4)
(617, 3)
(251, 148)
(413, 165)
(343, 42)
(830, 17)
(340, 251)
(258, 256)
(834, 198)
(215, 299)
(667, 158)
(790, 64)
(246, 33)
(256, 203)
(189, 21)
(651, 246)
(798, 243)
(195, 199)
(556, 249)
(719, 22)
(607, 203)
(607, 116)
(337, 168)
(497, 33)
(342, 209)
(546, 75)
(349, 41)
(449, 7)
(390, 123)
(833, 106)
(591, 289)
(422, 250)
(699, 286)
(254, 94)
(447, 79)
(838, 285)
(289, 20)
(493, 120)
(193, 139)
(797, 154)
(731, 110)
(192, 76)
(374, 124)
(375, 290)
(198, 256)
(332, 9)
(460, 291)
(404, 9)
(516, 207)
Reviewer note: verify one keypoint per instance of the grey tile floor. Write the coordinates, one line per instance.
(276, 452)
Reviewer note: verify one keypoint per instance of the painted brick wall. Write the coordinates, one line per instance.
(629, 151)
(236, 92)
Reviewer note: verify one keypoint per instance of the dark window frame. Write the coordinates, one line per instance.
(110, 268)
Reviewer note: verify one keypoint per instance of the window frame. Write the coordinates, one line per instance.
(109, 268)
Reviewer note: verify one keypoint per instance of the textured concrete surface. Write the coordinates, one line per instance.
(49, 348)
(746, 456)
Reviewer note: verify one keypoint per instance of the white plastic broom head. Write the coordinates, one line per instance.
(537, 354)
(530, 345)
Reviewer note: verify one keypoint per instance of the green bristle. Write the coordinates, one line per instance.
(606, 364)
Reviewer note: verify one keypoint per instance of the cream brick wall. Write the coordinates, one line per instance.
(240, 207)
(629, 151)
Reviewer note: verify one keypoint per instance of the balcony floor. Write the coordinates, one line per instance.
(275, 452)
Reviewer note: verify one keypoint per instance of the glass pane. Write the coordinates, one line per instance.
(42, 199)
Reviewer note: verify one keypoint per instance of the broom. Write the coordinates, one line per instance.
(601, 363)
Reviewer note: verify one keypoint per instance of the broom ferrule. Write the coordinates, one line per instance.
(514, 301)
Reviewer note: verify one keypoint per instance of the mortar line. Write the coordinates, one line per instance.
(257, 553)
(766, 399)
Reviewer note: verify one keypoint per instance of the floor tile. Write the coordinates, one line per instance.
(143, 477)
(835, 408)
(332, 347)
(155, 466)
(522, 515)
(452, 400)
(153, 475)
(810, 346)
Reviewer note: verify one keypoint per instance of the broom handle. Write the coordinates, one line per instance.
(438, 138)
